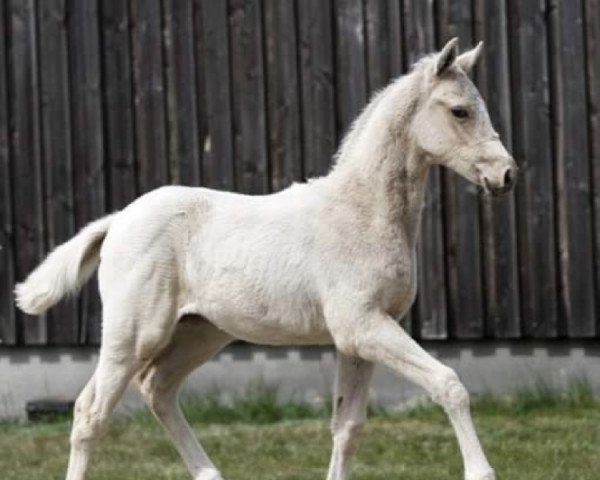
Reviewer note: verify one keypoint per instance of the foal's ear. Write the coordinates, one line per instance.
(467, 60)
(447, 56)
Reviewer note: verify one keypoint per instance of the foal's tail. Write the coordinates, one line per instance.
(64, 270)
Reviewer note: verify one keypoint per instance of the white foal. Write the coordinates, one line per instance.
(184, 271)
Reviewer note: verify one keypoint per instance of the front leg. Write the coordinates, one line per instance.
(378, 338)
(351, 394)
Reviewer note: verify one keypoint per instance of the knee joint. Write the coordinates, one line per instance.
(346, 343)
(87, 426)
(158, 397)
(347, 435)
(450, 393)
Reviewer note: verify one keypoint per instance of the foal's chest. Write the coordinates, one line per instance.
(397, 288)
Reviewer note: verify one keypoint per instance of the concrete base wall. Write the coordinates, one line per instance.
(305, 374)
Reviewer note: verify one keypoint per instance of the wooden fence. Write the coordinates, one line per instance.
(102, 100)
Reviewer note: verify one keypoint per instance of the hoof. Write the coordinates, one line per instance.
(487, 475)
(209, 474)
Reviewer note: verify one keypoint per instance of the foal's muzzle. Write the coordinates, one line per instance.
(503, 182)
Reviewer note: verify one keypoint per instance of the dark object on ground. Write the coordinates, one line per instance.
(48, 409)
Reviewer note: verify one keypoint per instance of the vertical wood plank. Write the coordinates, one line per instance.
(212, 53)
(418, 20)
(184, 151)
(118, 104)
(383, 44)
(430, 310)
(249, 119)
(88, 141)
(25, 150)
(533, 151)
(592, 29)
(499, 236)
(351, 76)
(8, 326)
(56, 152)
(461, 208)
(283, 93)
(201, 93)
(149, 95)
(396, 37)
(571, 154)
(317, 74)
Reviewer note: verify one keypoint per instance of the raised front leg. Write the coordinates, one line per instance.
(351, 394)
(378, 338)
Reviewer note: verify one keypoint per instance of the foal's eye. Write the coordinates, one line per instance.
(460, 112)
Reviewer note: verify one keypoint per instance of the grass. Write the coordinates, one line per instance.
(540, 434)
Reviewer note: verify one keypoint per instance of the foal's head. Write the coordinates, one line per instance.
(452, 126)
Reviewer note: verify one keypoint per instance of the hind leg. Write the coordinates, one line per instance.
(133, 332)
(194, 342)
(94, 407)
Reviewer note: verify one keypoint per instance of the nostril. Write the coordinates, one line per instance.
(508, 178)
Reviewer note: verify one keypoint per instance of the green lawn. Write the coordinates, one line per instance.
(534, 436)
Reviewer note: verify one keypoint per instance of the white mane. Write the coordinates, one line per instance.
(398, 100)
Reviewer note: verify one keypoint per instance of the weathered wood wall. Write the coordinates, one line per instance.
(103, 100)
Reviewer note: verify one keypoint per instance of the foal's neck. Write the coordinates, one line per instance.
(380, 171)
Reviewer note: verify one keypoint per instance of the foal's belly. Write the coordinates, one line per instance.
(273, 332)
(247, 311)
(269, 329)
